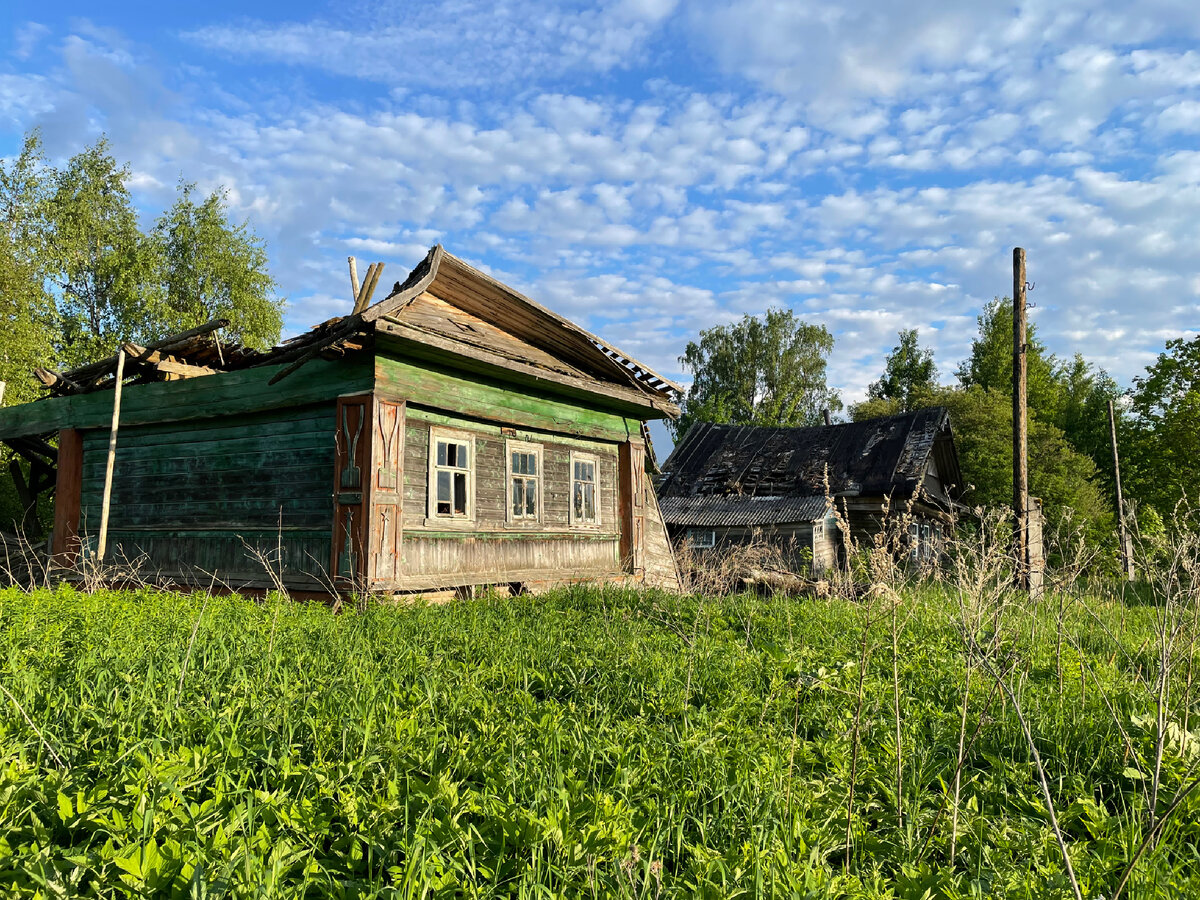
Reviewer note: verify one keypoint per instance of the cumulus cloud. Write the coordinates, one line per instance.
(869, 166)
(457, 44)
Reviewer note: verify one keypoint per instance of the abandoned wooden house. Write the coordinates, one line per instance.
(727, 484)
(453, 434)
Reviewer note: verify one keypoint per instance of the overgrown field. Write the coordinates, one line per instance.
(591, 743)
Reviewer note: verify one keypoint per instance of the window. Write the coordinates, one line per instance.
(451, 471)
(585, 490)
(524, 482)
(702, 539)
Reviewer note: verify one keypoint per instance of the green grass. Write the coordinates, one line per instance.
(585, 743)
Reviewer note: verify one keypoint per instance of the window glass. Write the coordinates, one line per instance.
(451, 477)
(523, 481)
(583, 491)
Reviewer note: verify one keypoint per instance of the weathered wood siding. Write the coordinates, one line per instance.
(190, 496)
(490, 549)
(476, 397)
(662, 571)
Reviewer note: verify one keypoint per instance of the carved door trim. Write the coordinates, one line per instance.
(352, 468)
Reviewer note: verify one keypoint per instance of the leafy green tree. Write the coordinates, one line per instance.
(102, 266)
(982, 421)
(212, 267)
(27, 311)
(990, 364)
(908, 372)
(1083, 415)
(75, 261)
(768, 370)
(1166, 431)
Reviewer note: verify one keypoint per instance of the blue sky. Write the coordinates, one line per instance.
(651, 168)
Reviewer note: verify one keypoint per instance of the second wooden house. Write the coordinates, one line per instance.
(727, 484)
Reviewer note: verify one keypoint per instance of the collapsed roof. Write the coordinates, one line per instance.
(753, 475)
(445, 304)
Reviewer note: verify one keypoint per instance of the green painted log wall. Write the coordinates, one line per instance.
(223, 394)
(189, 497)
(474, 396)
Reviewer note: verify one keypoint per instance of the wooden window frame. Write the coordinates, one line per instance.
(572, 519)
(696, 545)
(437, 433)
(514, 446)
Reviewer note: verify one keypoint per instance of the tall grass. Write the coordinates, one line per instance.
(587, 743)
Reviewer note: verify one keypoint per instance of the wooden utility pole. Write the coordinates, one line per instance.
(1122, 530)
(1020, 423)
(102, 545)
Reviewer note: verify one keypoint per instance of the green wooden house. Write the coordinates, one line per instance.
(453, 434)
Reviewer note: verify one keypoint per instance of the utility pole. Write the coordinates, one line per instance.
(1020, 424)
(1122, 530)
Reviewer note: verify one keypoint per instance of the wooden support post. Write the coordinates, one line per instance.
(102, 545)
(67, 497)
(1122, 529)
(354, 287)
(1020, 424)
(2, 386)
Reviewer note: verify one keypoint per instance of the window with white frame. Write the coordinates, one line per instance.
(451, 475)
(585, 490)
(702, 538)
(524, 481)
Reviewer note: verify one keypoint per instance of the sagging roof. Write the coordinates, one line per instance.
(747, 475)
(707, 510)
(444, 304)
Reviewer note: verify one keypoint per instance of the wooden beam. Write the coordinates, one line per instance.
(92, 371)
(183, 370)
(139, 354)
(2, 386)
(1126, 549)
(354, 286)
(368, 287)
(67, 495)
(625, 395)
(112, 454)
(1020, 422)
(52, 379)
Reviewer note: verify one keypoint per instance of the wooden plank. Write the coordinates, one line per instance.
(474, 398)
(385, 499)
(102, 544)
(298, 421)
(182, 369)
(228, 393)
(417, 343)
(354, 286)
(67, 498)
(351, 472)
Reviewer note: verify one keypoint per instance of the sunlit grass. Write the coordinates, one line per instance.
(586, 743)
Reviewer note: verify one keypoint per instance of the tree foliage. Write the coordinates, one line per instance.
(77, 268)
(211, 267)
(908, 371)
(1164, 436)
(768, 370)
(990, 363)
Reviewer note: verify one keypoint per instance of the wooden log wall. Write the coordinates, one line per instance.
(490, 549)
(190, 497)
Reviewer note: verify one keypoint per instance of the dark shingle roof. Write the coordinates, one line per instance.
(733, 510)
(716, 468)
